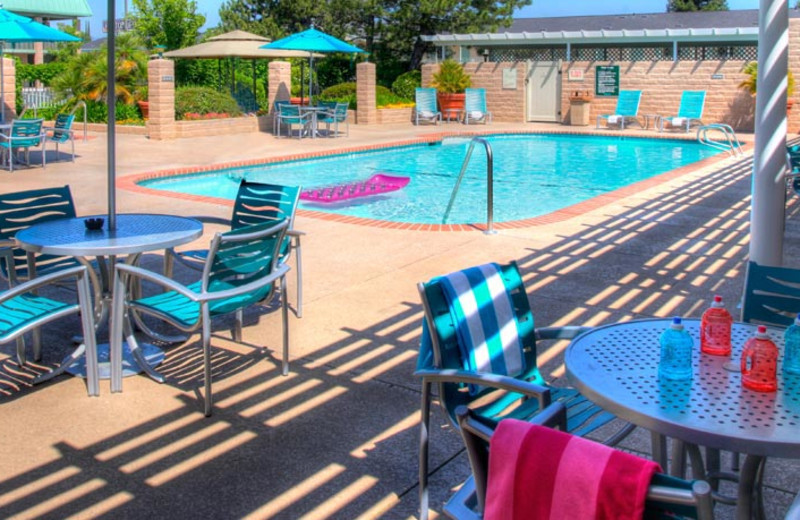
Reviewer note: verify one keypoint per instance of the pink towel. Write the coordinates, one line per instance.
(537, 473)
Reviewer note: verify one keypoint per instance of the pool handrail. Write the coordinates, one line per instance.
(489, 183)
(731, 144)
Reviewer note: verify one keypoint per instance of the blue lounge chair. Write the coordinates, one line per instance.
(689, 112)
(425, 109)
(450, 357)
(475, 106)
(627, 110)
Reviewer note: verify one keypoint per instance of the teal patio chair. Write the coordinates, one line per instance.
(291, 115)
(771, 295)
(62, 132)
(448, 358)
(24, 135)
(241, 270)
(690, 111)
(627, 110)
(425, 107)
(475, 106)
(23, 310)
(335, 115)
(256, 203)
(667, 497)
(276, 108)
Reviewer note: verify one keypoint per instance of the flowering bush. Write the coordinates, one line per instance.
(194, 116)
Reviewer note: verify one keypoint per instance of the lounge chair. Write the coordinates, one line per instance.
(449, 357)
(62, 132)
(241, 270)
(690, 111)
(627, 110)
(666, 496)
(24, 135)
(475, 106)
(425, 108)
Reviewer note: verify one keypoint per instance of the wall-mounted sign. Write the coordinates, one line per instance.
(575, 75)
(167, 79)
(606, 80)
(510, 79)
(718, 76)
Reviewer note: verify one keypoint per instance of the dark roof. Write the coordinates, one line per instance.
(94, 45)
(687, 20)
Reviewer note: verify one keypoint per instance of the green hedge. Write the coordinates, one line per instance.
(204, 100)
(405, 85)
(346, 92)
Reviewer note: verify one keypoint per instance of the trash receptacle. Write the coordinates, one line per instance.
(579, 105)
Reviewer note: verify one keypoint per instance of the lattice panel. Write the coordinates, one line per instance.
(528, 53)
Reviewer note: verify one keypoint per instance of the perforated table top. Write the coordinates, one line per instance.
(135, 233)
(616, 366)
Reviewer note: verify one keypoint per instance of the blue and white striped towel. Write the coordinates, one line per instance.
(482, 309)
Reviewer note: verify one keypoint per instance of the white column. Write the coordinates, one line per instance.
(768, 190)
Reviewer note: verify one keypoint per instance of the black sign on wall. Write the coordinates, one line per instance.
(606, 80)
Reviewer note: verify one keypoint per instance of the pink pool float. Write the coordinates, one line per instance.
(375, 185)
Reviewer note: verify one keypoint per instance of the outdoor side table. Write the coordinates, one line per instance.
(135, 234)
(451, 114)
(616, 366)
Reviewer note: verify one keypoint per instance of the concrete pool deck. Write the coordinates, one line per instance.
(337, 438)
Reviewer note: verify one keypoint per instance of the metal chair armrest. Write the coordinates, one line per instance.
(507, 383)
(163, 281)
(295, 233)
(41, 281)
(279, 272)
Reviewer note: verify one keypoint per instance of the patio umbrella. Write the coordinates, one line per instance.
(235, 44)
(15, 28)
(312, 41)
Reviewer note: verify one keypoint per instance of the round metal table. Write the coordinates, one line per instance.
(616, 366)
(136, 233)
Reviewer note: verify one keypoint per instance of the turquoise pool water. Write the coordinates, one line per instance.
(533, 175)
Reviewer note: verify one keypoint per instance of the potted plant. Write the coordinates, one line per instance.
(749, 83)
(142, 100)
(451, 81)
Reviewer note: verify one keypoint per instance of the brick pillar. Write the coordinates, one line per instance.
(280, 83)
(161, 96)
(9, 89)
(367, 111)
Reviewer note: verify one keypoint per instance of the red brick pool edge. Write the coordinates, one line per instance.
(131, 183)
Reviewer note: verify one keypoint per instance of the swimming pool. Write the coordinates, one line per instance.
(534, 174)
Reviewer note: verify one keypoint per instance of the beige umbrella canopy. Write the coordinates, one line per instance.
(235, 44)
(239, 44)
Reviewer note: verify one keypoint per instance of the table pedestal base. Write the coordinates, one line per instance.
(130, 367)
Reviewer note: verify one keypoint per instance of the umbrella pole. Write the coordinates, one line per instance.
(311, 81)
(302, 79)
(112, 117)
(2, 85)
(255, 93)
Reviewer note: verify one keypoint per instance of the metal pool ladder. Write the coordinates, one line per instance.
(489, 184)
(730, 144)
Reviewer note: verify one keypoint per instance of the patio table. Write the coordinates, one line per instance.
(314, 111)
(616, 366)
(136, 233)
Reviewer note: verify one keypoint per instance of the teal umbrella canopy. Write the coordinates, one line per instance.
(17, 28)
(312, 40)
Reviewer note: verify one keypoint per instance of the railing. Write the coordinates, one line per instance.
(730, 144)
(489, 183)
(35, 98)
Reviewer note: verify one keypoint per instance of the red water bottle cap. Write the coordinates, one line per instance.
(761, 333)
(717, 301)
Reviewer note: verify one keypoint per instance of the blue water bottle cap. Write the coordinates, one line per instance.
(797, 320)
(676, 323)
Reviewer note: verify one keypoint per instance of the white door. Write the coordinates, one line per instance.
(543, 91)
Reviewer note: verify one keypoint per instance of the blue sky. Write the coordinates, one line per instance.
(543, 8)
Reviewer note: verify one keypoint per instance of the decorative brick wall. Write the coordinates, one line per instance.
(367, 110)
(280, 84)
(161, 95)
(234, 125)
(9, 89)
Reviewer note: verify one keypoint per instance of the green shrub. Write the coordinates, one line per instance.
(97, 112)
(204, 100)
(44, 72)
(346, 93)
(405, 84)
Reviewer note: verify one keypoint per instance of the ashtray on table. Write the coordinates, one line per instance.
(94, 224)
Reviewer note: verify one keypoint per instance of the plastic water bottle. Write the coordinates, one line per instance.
(760, 363)
(676, 352)
(791, 348)
(715, 329)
